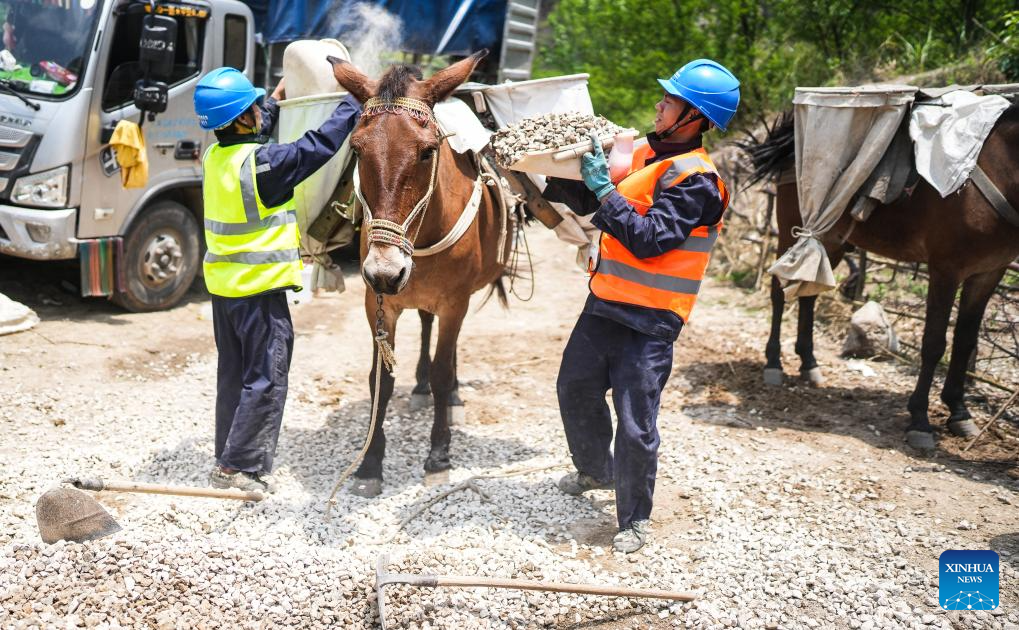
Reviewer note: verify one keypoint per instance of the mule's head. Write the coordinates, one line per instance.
(397, 146)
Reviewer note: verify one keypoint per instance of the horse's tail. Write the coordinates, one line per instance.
(498, 289)
(772, 155)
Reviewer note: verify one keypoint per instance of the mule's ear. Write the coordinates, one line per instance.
(352, 79)
(441, 84)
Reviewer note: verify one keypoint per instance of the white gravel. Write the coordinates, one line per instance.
(776, 528)
(548, 131)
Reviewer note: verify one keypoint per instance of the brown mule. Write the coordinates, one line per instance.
(401, 152)
(964, 242)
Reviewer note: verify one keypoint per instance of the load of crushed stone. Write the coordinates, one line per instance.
(548, 131)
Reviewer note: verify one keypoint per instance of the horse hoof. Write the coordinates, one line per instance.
(773, 376)
(437, 478)
(367, 488)
(419, 402)
(813, 376)
(920, 440)
(963, 428)
(456, 414)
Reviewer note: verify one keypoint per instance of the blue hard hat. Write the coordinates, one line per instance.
(223, 95)
(708, 86)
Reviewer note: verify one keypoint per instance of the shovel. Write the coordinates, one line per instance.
(98, 485)
(72, 515)
(382, 578)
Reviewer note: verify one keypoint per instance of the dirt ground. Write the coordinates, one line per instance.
(736, 458)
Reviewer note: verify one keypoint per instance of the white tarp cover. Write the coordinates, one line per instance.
(841, 135)
(15, 316)
(947, 137)
(512, 102)
(297, 116)
(456, 117)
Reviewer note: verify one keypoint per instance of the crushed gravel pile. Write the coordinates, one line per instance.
(794, 508)
(548, 131)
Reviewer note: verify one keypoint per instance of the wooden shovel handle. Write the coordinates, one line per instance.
(98, 485)
(561, 587)
(570, 154)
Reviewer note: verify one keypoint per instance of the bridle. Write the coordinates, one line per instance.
(390, 232)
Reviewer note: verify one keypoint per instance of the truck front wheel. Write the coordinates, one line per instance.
(160, 258)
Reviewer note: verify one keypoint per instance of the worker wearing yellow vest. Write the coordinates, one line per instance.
(658, 226)
(253, 257)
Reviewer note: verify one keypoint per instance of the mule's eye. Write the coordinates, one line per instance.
(427, 154)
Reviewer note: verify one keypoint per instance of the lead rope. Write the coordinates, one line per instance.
(384, 357)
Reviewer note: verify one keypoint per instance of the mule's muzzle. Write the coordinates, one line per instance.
(386, 269)
(386, 285)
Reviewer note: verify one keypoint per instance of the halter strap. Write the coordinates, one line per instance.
(414, 106)
(389, 232)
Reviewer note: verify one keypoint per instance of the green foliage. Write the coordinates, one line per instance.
(771, 45)
(1005, 49)
(743, 278)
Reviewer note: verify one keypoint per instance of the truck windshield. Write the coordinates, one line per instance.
(45, 43)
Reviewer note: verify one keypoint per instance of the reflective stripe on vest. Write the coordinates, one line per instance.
(669, 281)
(251, 249)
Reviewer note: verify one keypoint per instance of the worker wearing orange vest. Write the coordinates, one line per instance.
(658, 224)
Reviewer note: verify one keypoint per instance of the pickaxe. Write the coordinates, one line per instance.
(382, 578)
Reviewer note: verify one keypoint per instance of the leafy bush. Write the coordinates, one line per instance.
(771, 45)
(1006, 47)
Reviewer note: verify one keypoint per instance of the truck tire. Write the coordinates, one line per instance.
(161, 252)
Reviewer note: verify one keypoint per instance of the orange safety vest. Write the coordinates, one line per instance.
(671, 280)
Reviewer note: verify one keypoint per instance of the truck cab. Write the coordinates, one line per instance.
(68, 72)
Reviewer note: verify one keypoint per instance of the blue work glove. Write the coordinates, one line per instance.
(594, 168)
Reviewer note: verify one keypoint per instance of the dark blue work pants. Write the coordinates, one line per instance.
(255, 339)
(601, 355)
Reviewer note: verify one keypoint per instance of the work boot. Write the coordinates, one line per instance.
(248, 482)
(577, 483)
(632, 538)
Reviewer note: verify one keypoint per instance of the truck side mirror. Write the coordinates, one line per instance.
(157, 46)
(151, 96)
(156, 54)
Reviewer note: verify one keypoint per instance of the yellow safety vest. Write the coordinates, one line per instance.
(251, 249)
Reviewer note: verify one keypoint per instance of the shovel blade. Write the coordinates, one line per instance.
(71, 515)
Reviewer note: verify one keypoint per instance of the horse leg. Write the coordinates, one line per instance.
(368, 477)
(809, 369)
(805, 341)
(976, 291)
(773, 351)
(443, 377)
(457, 415)
(422, 393)
(940, 296)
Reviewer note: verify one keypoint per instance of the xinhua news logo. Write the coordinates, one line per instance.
(968, 580)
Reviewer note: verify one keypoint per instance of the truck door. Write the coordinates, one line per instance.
(174, 140)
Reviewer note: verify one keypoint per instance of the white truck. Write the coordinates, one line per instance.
(70, 70)
(73, 77)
